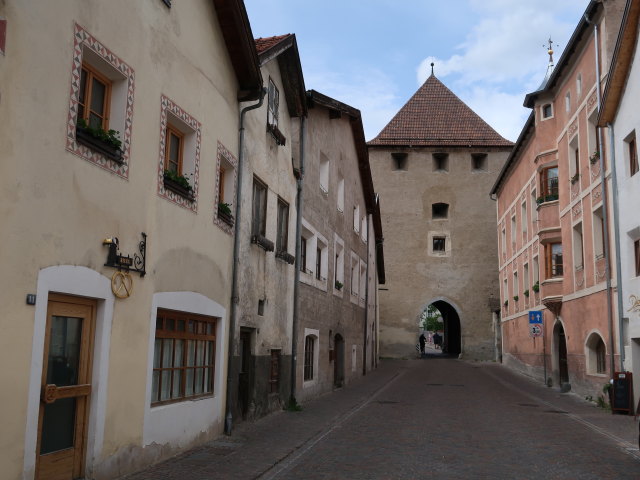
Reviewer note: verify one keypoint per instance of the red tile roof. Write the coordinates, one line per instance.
(435, 116)
(264, 44)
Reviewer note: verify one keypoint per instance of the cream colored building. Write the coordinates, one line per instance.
(110, 369)
(433, 165)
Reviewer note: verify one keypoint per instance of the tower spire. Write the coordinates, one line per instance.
(432, 68)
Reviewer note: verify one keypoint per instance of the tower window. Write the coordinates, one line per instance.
(399, 160)
(439, 210)
(479, 161)
(440, 162)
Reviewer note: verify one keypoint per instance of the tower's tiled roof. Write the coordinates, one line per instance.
(435, 116)
(264, 44)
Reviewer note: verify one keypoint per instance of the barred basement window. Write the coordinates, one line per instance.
(183, 357)
(309, 346)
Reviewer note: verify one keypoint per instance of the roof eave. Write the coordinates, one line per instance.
(623, 55)
(236, 31)
(286, 51)
(517, 147)
(563, 62)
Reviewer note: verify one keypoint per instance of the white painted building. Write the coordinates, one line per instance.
(620, 111)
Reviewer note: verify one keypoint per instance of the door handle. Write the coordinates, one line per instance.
(51, 392)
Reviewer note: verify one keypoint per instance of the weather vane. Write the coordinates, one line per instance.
(549, 48)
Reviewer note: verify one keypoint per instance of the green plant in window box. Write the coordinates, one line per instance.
(516, 298)
(506, 303)
(594, 157)
(339, 285)
(575, 178)
(181, 180)
(536, 287)
(110, 137)
(526, 293)
(224, 208)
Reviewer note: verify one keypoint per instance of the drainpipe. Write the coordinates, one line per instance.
(235, 296)
(616, 233)
(605, 214)
(366, 304)
(296, 282)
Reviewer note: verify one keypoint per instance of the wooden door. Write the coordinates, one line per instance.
(562, 358)
(66, 385)
(244, 381)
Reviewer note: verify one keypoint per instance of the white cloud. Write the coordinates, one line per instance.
(502, 58)
(370, 90)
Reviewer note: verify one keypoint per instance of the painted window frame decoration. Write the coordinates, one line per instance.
(232, 162)
(168, 107)
(84, 40)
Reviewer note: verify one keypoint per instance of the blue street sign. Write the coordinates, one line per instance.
(535, 316)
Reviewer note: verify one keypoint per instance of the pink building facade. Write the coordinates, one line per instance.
(552, 214)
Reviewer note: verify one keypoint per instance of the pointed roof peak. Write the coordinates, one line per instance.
(435, 116)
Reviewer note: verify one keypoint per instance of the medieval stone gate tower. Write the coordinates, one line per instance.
(433, 166)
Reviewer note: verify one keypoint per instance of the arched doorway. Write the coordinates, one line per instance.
(338, 365)
(561, 364)
(442, 317)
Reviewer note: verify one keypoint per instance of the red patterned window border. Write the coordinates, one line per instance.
(83, 40)
(193, 137)
(225, 154)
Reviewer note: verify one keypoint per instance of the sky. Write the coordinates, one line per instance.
(375, 54)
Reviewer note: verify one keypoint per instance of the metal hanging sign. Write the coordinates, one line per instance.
(128, 263)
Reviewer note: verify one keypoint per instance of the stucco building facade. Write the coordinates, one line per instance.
(433, 165)
(620, 114)
(116, 312)
(553, 214)
(341, 261)
(259, 379)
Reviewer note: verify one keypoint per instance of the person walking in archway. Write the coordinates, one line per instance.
(423, 341)
(437, 340)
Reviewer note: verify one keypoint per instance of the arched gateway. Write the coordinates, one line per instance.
(442, 317)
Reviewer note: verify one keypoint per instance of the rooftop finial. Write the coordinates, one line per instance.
(432, 68)
(550, 49)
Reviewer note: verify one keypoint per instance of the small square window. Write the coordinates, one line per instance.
(439, 211)
(399, 160)
(479, 161)
(439, 244)
(440, 162)
(547, 111)
(261, 307)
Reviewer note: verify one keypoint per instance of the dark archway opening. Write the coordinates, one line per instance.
(446, 322)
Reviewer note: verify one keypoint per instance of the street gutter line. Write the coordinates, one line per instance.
(288, 461)
(625, 446)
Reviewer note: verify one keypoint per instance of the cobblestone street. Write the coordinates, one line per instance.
(434, 417)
